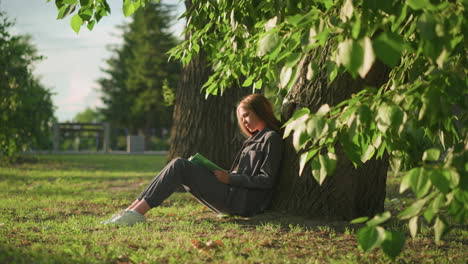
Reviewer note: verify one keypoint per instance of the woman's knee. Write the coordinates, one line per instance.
(179, 162)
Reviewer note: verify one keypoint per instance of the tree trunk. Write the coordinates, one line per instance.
(208, 126)
(349, 192)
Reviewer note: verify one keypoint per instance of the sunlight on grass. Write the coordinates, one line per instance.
(51, 208)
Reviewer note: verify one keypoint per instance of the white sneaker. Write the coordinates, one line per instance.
(129, 218)
(113, 217)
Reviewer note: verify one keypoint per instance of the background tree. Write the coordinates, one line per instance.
(26, 108)
(139, 73)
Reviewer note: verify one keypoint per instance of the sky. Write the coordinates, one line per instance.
(73, 62)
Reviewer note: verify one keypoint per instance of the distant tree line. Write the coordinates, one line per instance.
(138, 86)
(26, 109)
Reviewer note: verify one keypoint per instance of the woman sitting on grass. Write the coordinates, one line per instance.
(244, 190)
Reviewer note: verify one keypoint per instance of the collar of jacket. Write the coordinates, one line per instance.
(258, 137)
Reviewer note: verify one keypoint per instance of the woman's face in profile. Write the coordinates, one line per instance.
(250, 120)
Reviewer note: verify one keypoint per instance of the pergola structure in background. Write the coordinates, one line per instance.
(98, 128)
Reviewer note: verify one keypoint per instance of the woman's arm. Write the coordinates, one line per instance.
(222, 176)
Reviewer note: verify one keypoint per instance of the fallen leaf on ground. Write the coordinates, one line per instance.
(214, 244)
(196, 244)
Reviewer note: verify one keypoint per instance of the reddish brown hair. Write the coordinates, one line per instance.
(262, 107)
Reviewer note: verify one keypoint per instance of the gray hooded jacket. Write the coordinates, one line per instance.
(254, 172)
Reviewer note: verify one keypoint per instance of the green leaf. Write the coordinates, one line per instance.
(61, 13)
(388, 47)
(316, 127)
(356, 28)
(440, 228)
(248, 81)
(418, 4)
(383, 117)
(393, 243)
(378, 5)
(364, 115)
(299, 113)
(426, 26)
(318, 173)
(270, 24)
(379, 219)
(129, 7)
(368, 154)
(294, 20)
(285, 76)
(196, 47)
(91, 24)
(359, 220)
(434, 207)
(323, 110)
(429, 213)
(328, 163)
(293, 59)
(413, 226)
(297, 123)
(440, 178)
(396, 118)
(300, 137)
(267, 43)
(76, 23)
(413, 209)
(367, 58)
(420, 183)
(389, 116)
(328, 3)
(58, 3)
(454, 179)
(85, 2)
(258, 84)
(332, 70)
(370, 237)
(346, 11)
(350, 54)
(69, 2)
(86, 14)
(352, 150)
(305, 157)
(431, 154)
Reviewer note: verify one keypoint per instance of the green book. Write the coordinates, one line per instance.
(202, 161)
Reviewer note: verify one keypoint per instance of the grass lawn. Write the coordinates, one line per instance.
(51, 208)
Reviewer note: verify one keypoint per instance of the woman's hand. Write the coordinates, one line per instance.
(222, 176)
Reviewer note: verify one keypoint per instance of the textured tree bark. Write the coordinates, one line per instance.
(349, 192)
(208, 126)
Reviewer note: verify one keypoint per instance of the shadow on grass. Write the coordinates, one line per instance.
(26, 254)
(89, 162)
(287, 221)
